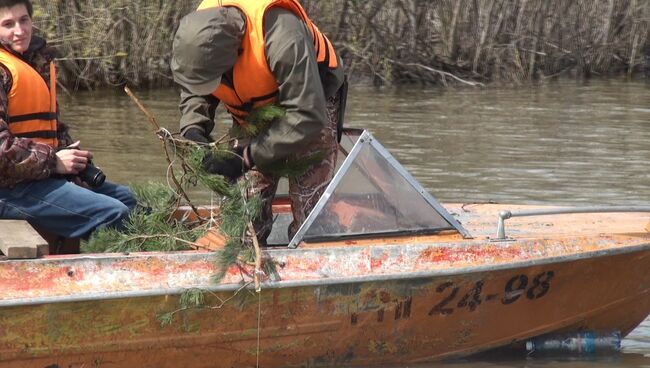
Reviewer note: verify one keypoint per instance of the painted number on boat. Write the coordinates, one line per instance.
(402, 310)
(518, 286)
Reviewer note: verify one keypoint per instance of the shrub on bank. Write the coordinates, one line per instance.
(106, 42)
(110, 42)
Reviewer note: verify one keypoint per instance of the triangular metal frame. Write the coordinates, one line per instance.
(367, 139)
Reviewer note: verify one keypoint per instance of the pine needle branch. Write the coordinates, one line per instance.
(237, 210)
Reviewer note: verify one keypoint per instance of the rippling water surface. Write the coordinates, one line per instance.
(561, 143)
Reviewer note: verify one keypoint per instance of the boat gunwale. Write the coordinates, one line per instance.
(157, 292)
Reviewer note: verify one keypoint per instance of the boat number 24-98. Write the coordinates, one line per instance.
(517, 287)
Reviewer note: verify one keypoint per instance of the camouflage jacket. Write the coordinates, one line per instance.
(22, 159)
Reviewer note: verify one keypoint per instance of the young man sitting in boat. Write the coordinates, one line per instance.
(251, 54)
(40, 166)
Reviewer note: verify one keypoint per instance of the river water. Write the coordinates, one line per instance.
(565, 143)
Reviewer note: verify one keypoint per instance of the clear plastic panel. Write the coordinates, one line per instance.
(374, 198)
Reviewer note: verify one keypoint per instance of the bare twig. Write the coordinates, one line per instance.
(440, 72)
(151, 118)
(164, 135)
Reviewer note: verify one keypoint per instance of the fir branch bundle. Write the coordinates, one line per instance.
(236, 211)
(194, 159)
(150, 227)
(156, 228)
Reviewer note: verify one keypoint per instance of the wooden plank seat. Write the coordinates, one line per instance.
(19, 240)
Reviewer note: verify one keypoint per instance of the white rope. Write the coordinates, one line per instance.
(259, 323)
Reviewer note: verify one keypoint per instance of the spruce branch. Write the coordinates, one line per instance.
(157, 228)
(258, 121)
(149, 227)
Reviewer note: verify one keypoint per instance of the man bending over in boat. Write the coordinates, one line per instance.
(37, 155)
(248, 54)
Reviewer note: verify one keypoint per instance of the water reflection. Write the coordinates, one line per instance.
(561, 143)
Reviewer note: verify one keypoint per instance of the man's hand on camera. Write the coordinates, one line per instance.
(72, 160)
(231, 166)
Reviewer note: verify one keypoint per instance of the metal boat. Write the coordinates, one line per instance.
(380, 273)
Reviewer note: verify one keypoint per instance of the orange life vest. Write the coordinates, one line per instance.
(32, 106)
(253, 81)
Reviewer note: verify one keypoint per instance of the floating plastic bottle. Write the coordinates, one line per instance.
(586, 342)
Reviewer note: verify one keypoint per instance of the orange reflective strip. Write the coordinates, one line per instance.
(298, 8)
(321, 48)
(31, 126)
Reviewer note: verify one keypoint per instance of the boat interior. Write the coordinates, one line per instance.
(373, 197)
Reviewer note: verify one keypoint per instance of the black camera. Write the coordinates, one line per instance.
(92, 175)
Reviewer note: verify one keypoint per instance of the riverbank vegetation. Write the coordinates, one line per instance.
(111, 42)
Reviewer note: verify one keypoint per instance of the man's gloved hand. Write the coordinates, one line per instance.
(232, 166)
(196, 135)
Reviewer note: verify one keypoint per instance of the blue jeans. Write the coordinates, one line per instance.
(66, 209)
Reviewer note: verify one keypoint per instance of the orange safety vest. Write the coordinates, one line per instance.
(31, 111)
(254, 84)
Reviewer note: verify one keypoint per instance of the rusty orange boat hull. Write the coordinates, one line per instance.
(360, 303)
